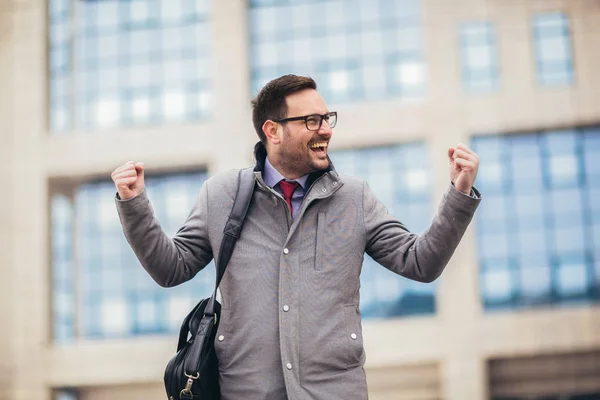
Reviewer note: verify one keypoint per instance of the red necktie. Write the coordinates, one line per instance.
(288, 188)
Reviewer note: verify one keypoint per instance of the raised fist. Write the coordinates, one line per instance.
(129, 179)
(464, 164)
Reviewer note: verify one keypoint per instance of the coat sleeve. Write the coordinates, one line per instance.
(169, 261)
(420, 258)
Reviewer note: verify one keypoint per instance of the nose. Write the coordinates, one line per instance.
(325, 129)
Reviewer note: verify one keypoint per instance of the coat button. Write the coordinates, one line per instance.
(286, 251)
(323, 190)
(288, 366)
(353, 336)
(221, 338)
(286, 308)
(334, 183)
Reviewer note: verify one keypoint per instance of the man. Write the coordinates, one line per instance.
(290, 325)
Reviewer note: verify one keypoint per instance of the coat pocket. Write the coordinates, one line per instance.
(356, 351)
(320, 240)
(223, 340)
(330, 343)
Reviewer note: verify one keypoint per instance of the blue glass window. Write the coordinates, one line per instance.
(59, 63)
(538, 228)
(400, 177)
(122, 63)
(553, 52)
(63, 296)
(355, 49)
(479, 56)
(117, 297)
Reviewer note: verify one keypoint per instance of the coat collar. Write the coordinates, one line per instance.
(319, 185)
(272, 177)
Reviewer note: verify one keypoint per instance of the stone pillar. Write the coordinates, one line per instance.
(7, 221)
(458, 301)
(25, 266)
(231, 76)
(464, 377)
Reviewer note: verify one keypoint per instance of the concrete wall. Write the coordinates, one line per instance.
(7, 223)
(24, 256)
(450, 349)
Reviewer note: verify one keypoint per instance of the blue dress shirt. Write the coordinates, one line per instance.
(272, 177)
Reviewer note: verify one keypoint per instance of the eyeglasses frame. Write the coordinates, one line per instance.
(306, 117)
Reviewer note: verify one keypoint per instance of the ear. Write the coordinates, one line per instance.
(272, 131)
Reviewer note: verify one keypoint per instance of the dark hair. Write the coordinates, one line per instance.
(270, 102)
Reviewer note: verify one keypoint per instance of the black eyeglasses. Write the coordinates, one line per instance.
(313, 122)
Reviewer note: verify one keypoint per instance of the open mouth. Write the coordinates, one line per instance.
(318, 147)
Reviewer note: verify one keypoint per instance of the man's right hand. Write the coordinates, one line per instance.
(129, 179)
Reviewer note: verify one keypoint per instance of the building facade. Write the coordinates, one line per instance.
(89, 85)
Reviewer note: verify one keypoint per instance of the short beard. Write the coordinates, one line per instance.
(295, 163)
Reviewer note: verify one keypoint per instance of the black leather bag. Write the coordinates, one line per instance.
(193, 372)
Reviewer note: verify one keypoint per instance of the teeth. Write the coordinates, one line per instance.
(318, 144)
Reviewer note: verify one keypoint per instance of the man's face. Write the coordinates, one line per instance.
(301, 150)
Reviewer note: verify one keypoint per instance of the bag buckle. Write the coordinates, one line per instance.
(187, 391)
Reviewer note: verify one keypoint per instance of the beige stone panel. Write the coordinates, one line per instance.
(234, 135)
(82, 156)
(441, 54)
(411, 381)
(458, 298)
(8, 223)
(137, 391)
(464, 376)
(106, 362)
(543, 330)
(410, 394)
(585, 24)
(402, 341)
(377, 123)
(30, 264)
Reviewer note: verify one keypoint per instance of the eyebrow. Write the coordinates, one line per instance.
(316, 113)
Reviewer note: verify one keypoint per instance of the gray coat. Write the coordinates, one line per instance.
(290, 323)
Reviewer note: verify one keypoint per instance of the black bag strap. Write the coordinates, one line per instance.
(194, 362)
(232, 229)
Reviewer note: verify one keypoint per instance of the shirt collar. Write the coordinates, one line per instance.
(272, 177)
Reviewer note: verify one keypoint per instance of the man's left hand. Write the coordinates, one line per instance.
(463, 167)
